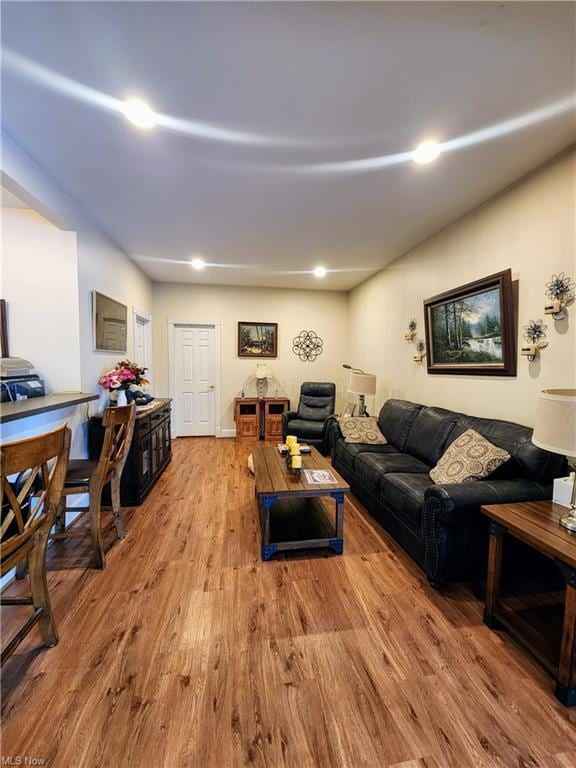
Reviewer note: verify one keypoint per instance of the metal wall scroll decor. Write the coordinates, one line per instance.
(560, 291)
(535, 339)
(307, 345)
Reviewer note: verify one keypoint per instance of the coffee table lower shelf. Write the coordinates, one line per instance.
(301, 523)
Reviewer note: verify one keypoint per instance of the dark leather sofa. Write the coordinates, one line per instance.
(310, 422)
(440, 526)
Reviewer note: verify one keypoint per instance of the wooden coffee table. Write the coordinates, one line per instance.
(536, 523)
(294, 514)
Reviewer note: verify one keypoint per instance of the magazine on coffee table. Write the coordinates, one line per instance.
(319, 477)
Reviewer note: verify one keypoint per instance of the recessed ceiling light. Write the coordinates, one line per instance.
(320, 271)
(139, 113)
(426, 152)
(197, 263)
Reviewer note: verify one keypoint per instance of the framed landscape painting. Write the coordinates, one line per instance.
(471, 329)
(257, 339)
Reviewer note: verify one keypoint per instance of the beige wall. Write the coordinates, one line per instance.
(40, 283)
(529, 228)
(106, 269)
(323, 312)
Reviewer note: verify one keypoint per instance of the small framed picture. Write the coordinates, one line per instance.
(257, 339)
(349, 410)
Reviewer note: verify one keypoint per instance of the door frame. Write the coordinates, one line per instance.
(215, 324)
(139, 315)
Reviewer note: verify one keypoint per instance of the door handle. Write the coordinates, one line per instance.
(211, 386)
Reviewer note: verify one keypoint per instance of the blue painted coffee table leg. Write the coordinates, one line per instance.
(265, 505)
(337, 544)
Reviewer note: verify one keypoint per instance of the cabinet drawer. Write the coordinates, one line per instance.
(142, 425)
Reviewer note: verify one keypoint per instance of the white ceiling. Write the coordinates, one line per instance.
(355, 79)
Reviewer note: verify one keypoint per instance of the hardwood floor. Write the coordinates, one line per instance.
(189, 651)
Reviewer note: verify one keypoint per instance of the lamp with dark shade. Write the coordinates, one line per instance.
(555, 431)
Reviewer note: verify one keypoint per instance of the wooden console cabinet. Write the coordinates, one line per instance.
(259, 418)
(150, 452)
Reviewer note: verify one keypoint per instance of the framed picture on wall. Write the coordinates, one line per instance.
(471, 329)
(257, 339)
(109, 323)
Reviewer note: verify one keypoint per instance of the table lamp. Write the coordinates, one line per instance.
(555, 431)
(262, 373)
(361, 384)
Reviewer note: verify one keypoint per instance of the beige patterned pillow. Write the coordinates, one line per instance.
(361, 429)
(470, 457)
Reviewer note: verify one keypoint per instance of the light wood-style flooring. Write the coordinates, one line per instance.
(190, 651)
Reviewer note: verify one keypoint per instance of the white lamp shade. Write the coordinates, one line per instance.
(362, 383)
(262, 371)
(555, 428)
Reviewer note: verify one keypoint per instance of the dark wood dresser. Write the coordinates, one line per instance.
(149, 455)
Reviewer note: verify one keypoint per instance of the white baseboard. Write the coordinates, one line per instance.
(227, 433)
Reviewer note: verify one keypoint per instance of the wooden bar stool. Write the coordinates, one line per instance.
(40, 463)
(90, 476)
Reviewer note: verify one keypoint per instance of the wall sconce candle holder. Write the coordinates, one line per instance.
(411, 332)
(534, 335)
(560, 291)
(420, 353)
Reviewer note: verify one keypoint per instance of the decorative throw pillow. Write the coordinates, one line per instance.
(470, 457)
(361, 429)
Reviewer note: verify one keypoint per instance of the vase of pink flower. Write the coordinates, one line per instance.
(119, 380)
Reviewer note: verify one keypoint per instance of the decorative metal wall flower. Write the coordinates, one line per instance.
(535, 336)
(560, 291)
(307, 345)
(411, 332)
(420, 351)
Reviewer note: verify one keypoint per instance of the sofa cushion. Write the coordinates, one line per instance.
(470, 457)
(395, 420)
(527, 461)
(370, 468)
(347, 453)
(306, 428)
(429, 433)
(361, 429)
(405, 494)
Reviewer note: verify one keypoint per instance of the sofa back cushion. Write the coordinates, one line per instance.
(527, 461)
(395, 420)
(429, 433)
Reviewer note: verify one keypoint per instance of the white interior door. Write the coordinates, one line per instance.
(194, 380)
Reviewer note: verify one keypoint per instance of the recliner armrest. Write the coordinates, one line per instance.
(286, 417)
(457, 501)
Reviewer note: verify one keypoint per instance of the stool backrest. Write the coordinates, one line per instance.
(40, 463)
(119, 429)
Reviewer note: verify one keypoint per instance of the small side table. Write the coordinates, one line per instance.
(536, 524)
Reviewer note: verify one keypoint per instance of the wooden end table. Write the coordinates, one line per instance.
(536, 524)
(296, 503)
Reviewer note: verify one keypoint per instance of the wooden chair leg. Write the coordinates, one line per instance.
(117, 508)
(39, 589)
(21, 569)
(96, 529)
(60, 521)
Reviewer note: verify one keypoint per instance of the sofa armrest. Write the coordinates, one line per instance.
(456, 533)
(457, 501)
(332, 432)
